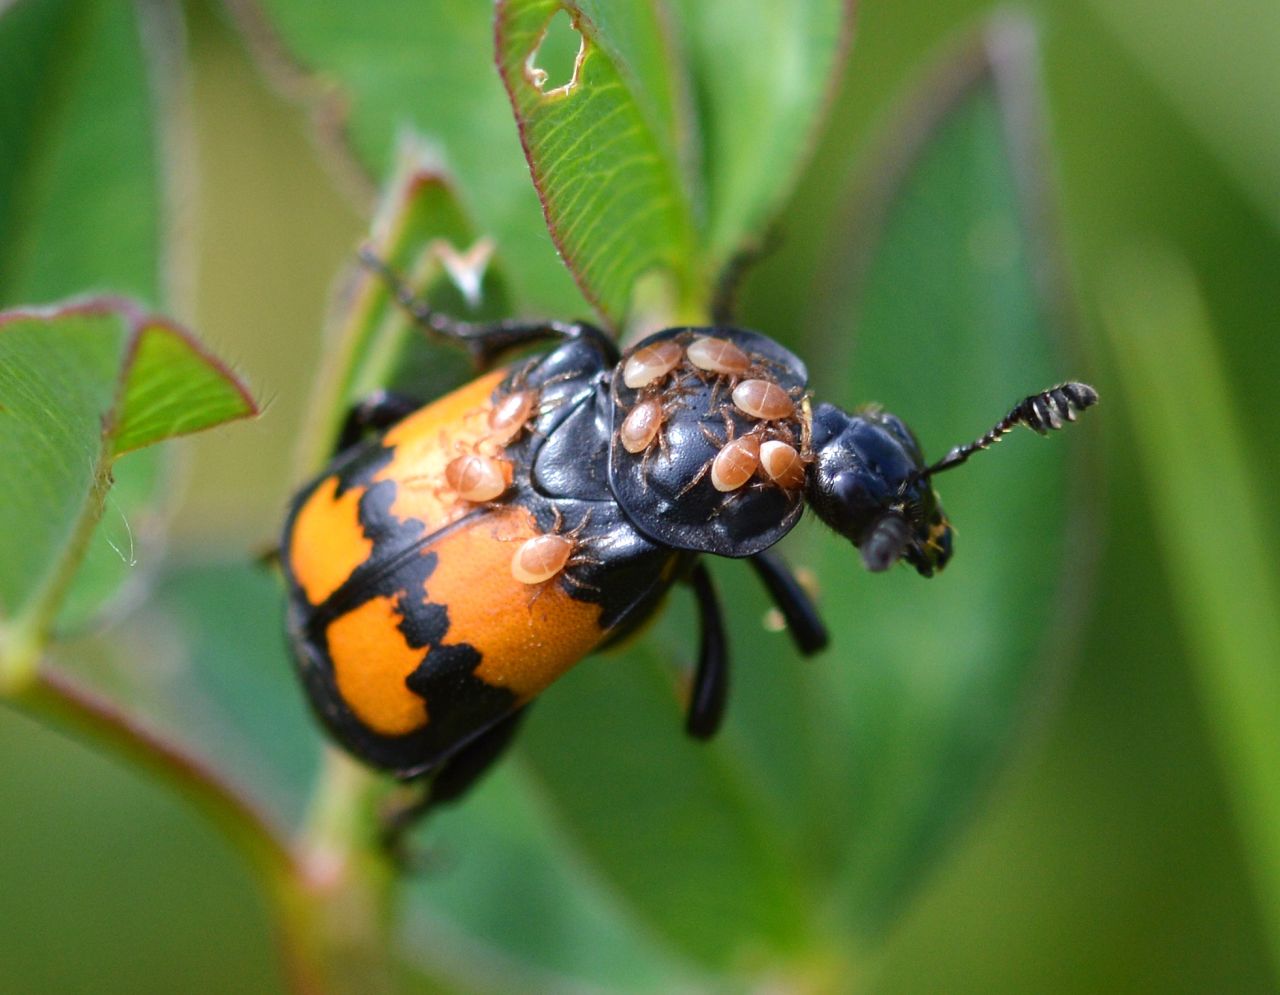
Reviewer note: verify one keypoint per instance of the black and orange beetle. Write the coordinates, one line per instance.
(456, 558)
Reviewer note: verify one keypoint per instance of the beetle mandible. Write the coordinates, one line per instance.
(455, 558)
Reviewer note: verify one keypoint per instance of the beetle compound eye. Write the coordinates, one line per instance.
(641, 426)
(763, 399)
(540, 558)
(718, 356)
(509, 417)
(651, 363)
(885, 543)
(735, 464)
(477, 478)
(782, 464)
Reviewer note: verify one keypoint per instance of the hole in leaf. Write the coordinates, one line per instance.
(553, 64)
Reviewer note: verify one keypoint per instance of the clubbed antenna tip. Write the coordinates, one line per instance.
(1044, 412)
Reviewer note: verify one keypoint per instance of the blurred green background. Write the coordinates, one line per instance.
(1109, 856)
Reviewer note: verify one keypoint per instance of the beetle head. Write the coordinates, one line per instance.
(868, 482)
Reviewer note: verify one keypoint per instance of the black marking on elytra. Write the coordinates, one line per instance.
(424, 623)
(459, 703)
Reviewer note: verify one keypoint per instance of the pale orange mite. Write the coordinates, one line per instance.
(735, 464)
(640, 427)
(477, 478)
(510, 415)
(651, 363)
(717, 356)
(763, 399)
(782, 464)
(541, 558)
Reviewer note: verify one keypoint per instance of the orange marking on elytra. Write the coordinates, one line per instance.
(371, 661)
(327, 541)
(426, 443)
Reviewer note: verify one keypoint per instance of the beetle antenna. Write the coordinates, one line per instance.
(1044, 412)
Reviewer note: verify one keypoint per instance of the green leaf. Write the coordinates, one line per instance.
(89, 83)
(605, 167)
(667, 152)
(931, 682)
(80, 184)
(674, 166)
(684, 832)
(370, 71)
(763, 74)
(503, 856)
(80, 384)
(1211, 522)
(204, 662)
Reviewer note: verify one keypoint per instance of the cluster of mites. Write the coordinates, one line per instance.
(741, 458)
(479, 478)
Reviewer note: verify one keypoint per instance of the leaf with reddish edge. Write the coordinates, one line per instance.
(80, 384)
(607, 173)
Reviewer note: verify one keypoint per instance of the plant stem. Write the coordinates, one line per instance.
(24, 639)
(342, 905)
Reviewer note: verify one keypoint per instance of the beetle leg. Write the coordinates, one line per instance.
(485, 341)
(711, 681)
(378, 411)
(453, 779)
(803, 621)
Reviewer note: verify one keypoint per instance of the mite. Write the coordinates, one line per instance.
(458, 556)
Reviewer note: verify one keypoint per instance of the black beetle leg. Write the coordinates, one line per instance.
(711, 681)
(453, 779)
(378, 411)
(485, 341)
(803, 621)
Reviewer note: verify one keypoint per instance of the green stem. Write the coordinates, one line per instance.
(344, 903)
